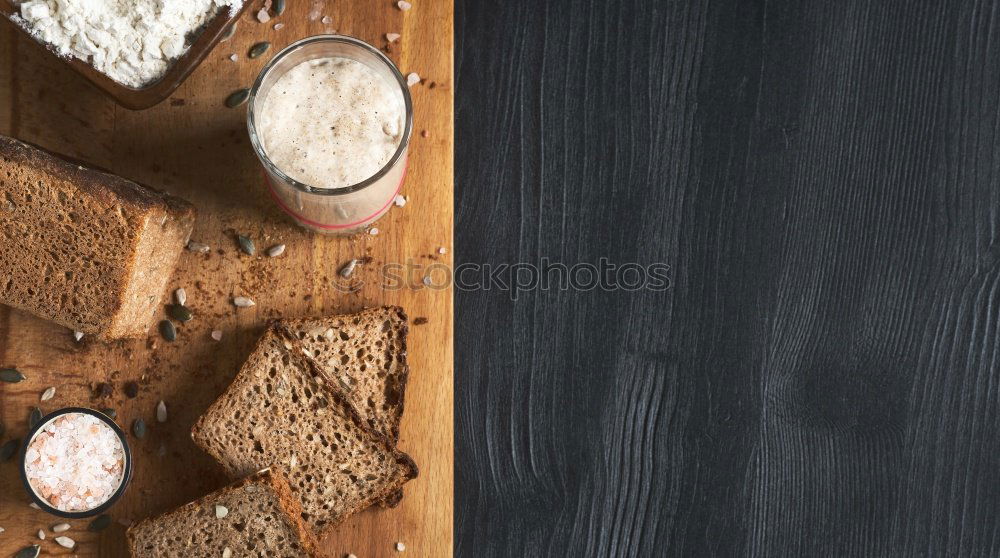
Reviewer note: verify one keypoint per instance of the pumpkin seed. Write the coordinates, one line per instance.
(229, 32)
(34, 416)
(279, 7)
(139, 428)
(235, 99)
(65, 542)
(9, 449)
(110, 413)
(258, 49)
(179, 312)
(161, 412)
(48, 393)
(167, 330)
(275, 251)
(99, 523)
(247, 245)
(10, 375)
(243, 302)
(28, 552)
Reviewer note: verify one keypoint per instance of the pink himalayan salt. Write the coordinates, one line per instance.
(75, 463)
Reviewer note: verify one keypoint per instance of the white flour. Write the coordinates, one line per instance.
(131, 41)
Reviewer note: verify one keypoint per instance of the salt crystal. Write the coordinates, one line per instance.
(400, 547)
(77, 335)
(327, 20)
(442, 250)
(278, 26)
(412, 79)
(391, 37)
(217, 334)
(373, 231)
(399, 200)
(404, 5)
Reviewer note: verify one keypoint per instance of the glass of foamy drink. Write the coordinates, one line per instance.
(330, 119)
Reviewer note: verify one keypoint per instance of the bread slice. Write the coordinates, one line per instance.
(283, 409)
(366, 353)
(85, 249)
(262, 518)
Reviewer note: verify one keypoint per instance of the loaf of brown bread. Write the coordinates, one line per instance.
(85, 249)
(256, 516)
(282, 409)
(366, 353)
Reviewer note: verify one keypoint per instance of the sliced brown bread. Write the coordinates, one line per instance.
(283, 409)
(85, 249)
(261, 517)
(366, 353)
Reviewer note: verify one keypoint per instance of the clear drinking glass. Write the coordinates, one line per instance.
(345, 210)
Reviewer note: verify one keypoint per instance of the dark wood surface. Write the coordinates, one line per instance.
(823, 376)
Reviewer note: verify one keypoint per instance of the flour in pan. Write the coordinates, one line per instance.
(133, 42)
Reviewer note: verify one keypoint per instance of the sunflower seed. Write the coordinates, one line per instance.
(275, 251)
(221, 511)
(28, 552)
(235, 99)
(181, 296)
(198, 246)
(9, 449)
(167, 330)
(77, 336)
(60, 528)
(110, 413)
(348, 269)
(48, 394)
(279, 7)
(139, 428)
(41, 534)
(179, 312)
(243, 302)
(161, 411)
(247, 245)
(10, 375)
(258, 49)
(99, 523)
(229, 32)
(227, 553)
(404, 5)
(391, 37)
(34, 416)
(217, 334)
(65, 542)
(412, 79)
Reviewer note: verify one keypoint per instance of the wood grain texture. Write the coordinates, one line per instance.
(821, 378)
(192, 146)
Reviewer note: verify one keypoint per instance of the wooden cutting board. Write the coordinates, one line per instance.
(193, 146)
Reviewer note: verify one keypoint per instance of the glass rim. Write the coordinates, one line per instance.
(126, 472)
(258, 147)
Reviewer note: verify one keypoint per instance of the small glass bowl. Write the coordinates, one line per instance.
(345, 210)
(126, 473)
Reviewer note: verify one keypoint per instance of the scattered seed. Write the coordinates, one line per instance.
(229, 32)
(41, 534)
(275, 251)
(373, 231)
(181, 296)
(243, 302)
(48, 394)
(259, 49)
(77, 336)
(404, 5)
(9, 448)
(278, 26)
(161, 411)
(221, 511)
(110, 413)
(425, 134)
(391, 37)
(412, 79)
(348, 269)
(167, 330)
(179, 312)
(139, 428)
(400, 547)
(198, 246)
(11, 376)
(99, 523)
(217, 334)
(34, 416)
(60, 528)
(262, 16)
(65, 542)
(442, 250)
(246, 245)
(227, 553)
(420, 320)
(399, 200)
(28, 552)
(235, 99)
(131, 389)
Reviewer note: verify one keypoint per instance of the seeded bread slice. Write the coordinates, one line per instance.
(283, 409)
(261, 518)
(88, 250)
